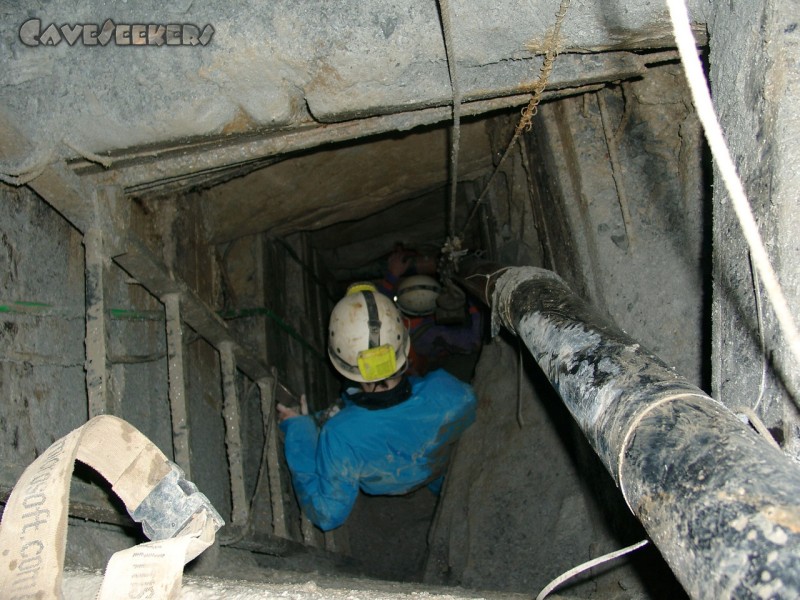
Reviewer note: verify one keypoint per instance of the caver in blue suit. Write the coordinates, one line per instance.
(385, 451)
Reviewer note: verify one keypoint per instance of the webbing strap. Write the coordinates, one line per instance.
(373, 319)
(34, 525)
(130, 462)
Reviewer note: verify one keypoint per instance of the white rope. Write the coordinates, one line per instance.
(757, 424)
(588, 565)
(761, 340)
(719, 149)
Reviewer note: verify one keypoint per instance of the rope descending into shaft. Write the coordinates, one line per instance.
(452, 246)
(447, 30)
(722, 157)
(525, 122)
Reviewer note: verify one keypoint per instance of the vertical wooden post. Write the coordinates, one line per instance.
(177, 383)
(96, 366)
(311, 535)
(318, 335)
(267, 389)
(233, 435)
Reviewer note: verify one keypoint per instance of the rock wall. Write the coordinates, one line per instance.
(755, 82)
(41, 327)
(625, 166)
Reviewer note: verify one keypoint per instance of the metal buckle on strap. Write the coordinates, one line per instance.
(169, 507)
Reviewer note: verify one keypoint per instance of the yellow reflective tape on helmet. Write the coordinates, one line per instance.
(378, 363)
(361, 287)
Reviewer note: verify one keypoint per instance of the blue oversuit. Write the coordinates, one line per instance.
(384, 452)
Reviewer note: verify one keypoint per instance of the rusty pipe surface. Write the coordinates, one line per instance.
(720, 503)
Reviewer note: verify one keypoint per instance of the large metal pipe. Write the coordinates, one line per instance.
(720, 503)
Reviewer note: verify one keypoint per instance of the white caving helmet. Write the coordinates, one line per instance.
(416, 295)
(367, 340)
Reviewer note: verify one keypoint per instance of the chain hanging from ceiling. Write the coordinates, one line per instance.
(452, 249)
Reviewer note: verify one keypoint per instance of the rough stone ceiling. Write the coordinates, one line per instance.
(288, 76)
(341, 183)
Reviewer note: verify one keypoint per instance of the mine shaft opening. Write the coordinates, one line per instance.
(388, 535)
(567, 201)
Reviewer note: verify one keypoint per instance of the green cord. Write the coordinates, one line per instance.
(259, 311)
(121, 314)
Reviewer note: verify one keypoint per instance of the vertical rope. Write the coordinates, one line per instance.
(719, 149)
(447, 30)
(616, 170)
(761, 339)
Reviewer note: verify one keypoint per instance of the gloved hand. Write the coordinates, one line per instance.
(287, 412)
(324, 416)
(399, 261)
